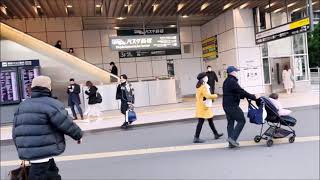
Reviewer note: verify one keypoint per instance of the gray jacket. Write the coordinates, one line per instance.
(39, 126)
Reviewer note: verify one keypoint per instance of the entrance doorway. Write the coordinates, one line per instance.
(277, 66)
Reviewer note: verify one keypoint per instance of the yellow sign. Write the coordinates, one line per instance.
(210, 48)
(300, 23)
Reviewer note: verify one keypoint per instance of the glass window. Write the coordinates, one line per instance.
(266, 70)
(299, 44)
(265, 50)
(300, 70)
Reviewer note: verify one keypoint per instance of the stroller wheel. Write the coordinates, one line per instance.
(269, 142)
(257, 138)
(292, 139)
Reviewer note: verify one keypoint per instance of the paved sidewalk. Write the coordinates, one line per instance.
(175, 112)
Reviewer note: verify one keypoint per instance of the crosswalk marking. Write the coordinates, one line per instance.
(160, 150)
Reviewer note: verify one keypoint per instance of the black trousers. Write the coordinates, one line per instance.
(200, 124)
(234, 114)
(44, 171)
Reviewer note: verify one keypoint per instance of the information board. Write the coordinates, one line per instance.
(210, 48)
(9, 86)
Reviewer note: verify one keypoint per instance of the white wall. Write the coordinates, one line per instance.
(236, 46)
(93, 47)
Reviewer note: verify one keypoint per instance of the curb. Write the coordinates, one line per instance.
(177, 121)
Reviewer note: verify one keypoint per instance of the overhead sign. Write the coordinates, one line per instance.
(149, 31)
(20, 63)
(210, 48)
(144, 53)
(283, 31)
(165, 41)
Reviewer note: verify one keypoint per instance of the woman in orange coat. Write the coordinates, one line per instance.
(203, 107)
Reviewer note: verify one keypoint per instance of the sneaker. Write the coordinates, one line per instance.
(125, 125)
(233, 142)
(198, 140)
(217, 136)
(232, 146)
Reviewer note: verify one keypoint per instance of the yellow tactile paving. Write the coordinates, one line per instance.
(161, 150)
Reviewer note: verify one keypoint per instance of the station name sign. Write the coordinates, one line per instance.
(284, 31)
(148, 31)
(138, 42)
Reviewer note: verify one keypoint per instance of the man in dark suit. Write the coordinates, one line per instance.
(74, 98)
(114, 71)
(212, 79)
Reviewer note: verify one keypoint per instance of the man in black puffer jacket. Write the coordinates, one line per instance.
(232, 93)
(39, 126)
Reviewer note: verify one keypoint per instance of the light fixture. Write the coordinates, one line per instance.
(315, 3)
(116, 27)
(3, 9)
(227, 6)
(69, 6)
(298, 9)
(204, 6)
(244, 5)
(38, 6)
(98, 5)
(292, 4)
(121, 18)
(270, 5)
(155, 7)
(185, 16)
(278, 10)
(180, 6)
(126, 5)
(172, 25)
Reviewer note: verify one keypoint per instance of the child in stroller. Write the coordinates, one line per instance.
(276, 118)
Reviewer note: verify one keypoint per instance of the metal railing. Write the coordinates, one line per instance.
(315, 75)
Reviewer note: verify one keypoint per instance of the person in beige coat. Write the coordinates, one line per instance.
(204, 107)
(287, 79)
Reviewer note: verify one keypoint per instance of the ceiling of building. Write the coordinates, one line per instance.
(102, 14)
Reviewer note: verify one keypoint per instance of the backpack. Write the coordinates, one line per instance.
(98, 98)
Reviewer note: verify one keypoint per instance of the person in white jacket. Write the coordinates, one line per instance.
(274, 100)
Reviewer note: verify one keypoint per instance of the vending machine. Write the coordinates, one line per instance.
(16, 78)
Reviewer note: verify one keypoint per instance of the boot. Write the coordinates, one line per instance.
(198, 140)
(217, 135)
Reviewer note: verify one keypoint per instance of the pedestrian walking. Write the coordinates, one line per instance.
(39, 126)
(93, 104)
(232, 93)
(287, 79)
(203, 107)
(125, 93)
(212, 79)
(114, 71)
(74, 98)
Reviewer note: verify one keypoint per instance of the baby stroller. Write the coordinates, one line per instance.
(273, 119)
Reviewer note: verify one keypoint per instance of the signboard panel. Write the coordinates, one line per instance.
(283, 31)
(165, 41)
(145, 53)
(210, 48)
(151, 31)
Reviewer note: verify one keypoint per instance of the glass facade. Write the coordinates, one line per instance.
(300, 68)
(299, 44)
(266, 70)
